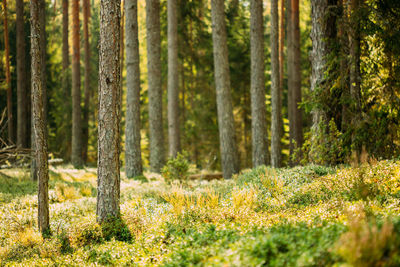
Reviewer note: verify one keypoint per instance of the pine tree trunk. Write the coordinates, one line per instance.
(275, 92)
(65, 47)
(154, 82)
(133, 156)
(290, 52)
(85, 137)
(229, 154)
(173, 80)
(76, 156)
(344, 73)
(108, 182)
(39, 126)
(22, 108)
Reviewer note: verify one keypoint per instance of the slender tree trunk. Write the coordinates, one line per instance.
(86, 110)
(226, 126)
(42, 18)
(133, 156)
(344, 73)
(65, 47)
(10, 122)
(22, 108)
(173, 80)
(39, 125)
(275, 93)
(154, 81)
(108, 182)
(282, 46)
(290, 52)
(257, 88)
(76, 156)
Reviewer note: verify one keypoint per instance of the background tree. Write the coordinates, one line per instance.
(86, 109)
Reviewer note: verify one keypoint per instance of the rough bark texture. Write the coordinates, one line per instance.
(22, 92)
(275, 93)
(154, 81)
(226, 127)
(173, 80)
(258, 108)
(39, 126)
(108, 182)
(10, 123)
(86, 109)
(76, 155)
(133, 156)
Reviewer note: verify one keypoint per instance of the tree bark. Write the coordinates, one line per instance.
(133, 156)
(39, 126)
(65, 47)
(22, 108)
(229, 154)
(173, 80)
(257, 88)
(76, 156)
(108, 182)
(85, 137)
(154, 83)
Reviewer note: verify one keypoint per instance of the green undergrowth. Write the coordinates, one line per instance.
(302, 216)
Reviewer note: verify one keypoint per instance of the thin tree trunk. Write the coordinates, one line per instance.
(65, 47)
(108, 182)
(290, 52)
(10, 122)
(258, 108)
(282, 46)
(229, 153)
(173, 80)
(154, 82)
(133, 156)
(344, 73)
(39, 126)
(22, 108)
(76, 156)
(86, 110)
(42, 18)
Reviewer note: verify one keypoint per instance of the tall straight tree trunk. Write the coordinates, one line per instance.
(85, 137)
(155, 89)
(10, 122)
(39, 126)
(42, 18)
(108, 181)
(22, 92)
(173, 80)
(290, 52)
(344, 73)
(258, 108)
(65, 47)
(226, 126)
(282, 46)
(76, 156)
(133, 156)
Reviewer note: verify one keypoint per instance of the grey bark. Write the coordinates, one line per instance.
(85, 133)
(76, 155)
(154, 83)
(275, 88)
(258, 108)
(108, 181)
(39, 126)
(173, 80)
(226, 127)
(133, 156)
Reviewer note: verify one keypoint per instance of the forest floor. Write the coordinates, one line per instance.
(303, 216)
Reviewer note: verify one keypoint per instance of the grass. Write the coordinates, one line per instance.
(304, 216)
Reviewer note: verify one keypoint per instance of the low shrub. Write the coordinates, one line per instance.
(176, 169)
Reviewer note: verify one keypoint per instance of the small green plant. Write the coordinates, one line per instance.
(176, 169)
(115, 227)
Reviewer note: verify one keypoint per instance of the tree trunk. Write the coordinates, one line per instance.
(229, 154)
(22, 108)
(39, 126)
(108, 182)
(173, 80)
(133, 156)
(85, 137)
(344, 73)
(65, 47)
(76, 156)
(275, 92)
(154, 81)
(10, 122)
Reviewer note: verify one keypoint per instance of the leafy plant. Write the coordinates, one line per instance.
(176, 169)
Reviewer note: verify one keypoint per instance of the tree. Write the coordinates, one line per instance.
(275, 92)
(226, 127)
(39, 126)
(65, 45)
(10, 122)
(108, 183)
(133, 156)
(258, 108)
(22, 92)
(173, 80)
(85, 135)
(76, 156)
(154, 83)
